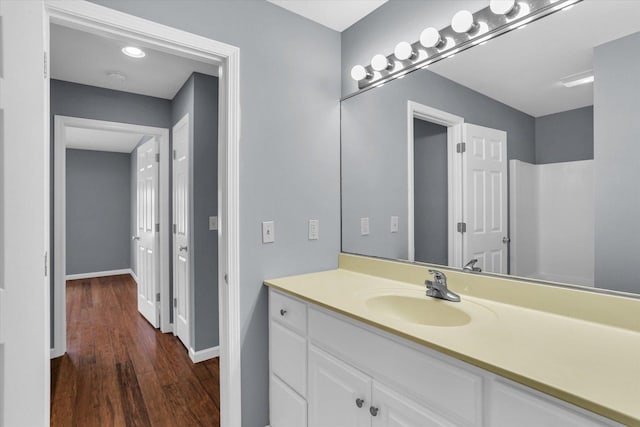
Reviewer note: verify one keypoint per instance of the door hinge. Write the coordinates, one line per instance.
(174, 154)
(157, 228)
(46, 65)
(46, 264)
(157, 157)
(175, 302)
(158, 297)
(461, 147)
(174, 229)
(226, 278)
(462, 227)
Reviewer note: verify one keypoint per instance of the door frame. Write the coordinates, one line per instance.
(93, 18)
(61, 123)
(454, 126)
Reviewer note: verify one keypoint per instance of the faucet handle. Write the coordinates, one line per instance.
(438, 275)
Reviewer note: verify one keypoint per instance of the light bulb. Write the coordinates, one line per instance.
(502, 7)
(430, 37)
(462, 22)
(404, 51)
(358, 73)
(380, 63)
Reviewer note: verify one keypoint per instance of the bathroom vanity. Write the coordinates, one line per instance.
(363, 346)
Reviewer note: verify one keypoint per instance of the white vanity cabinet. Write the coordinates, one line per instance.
(328, 370)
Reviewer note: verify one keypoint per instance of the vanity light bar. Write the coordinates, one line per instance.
(499, 18)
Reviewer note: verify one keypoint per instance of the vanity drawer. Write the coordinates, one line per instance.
(511, 405)
(449, 390)
(288, 354)
(289, 311)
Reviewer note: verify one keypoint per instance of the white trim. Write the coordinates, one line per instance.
(88, 16)
(59, 217)
(99, 274)
(454, 136)
(202, 355)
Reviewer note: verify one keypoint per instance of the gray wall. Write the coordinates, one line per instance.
(76, 100)
(289, 152)
(98, 203)
(374, 152)
(431, 195)
(616, 151)
(198, 97)
(565, 136)
(393, 22)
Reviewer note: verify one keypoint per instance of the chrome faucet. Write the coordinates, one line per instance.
(438, 287)
(471, 266)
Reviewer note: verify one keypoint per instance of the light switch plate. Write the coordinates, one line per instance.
(314, 229)
(364, 226)
(394, 224)
(268, 232)
(213, 223)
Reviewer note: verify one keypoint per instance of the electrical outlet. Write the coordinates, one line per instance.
(364, 226)
(268, 232)
(394, 224)
(213, 223)
(314, 229)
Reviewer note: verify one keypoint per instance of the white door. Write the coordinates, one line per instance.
(395, 410)
(484, 199)
(181, 277)
(24, 197)
(339, 395)
(147, 231)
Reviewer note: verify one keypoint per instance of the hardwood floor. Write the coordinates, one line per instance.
(120, 371)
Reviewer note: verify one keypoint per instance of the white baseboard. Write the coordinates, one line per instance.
(100, 274)
(169, 329)
(134, 275)
(202, 355)
(56, 353)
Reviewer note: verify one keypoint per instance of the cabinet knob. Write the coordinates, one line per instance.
(359, 403)
(373, 411)
(283, 312)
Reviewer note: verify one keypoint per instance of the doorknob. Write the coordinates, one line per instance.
(135, 237)
(506, 240)
(182, 248)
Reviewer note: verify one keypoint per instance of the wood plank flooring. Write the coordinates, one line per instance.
(120, 371)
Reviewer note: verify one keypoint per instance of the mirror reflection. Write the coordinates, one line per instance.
(520, 153)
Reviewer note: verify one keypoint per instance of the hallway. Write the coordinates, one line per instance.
(120, 371)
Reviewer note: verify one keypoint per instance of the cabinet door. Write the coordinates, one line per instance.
(286, 407)
(395, 410)
(338, 395)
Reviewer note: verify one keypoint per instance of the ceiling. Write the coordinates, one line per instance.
(86, 58)
(335, 14)
(523, 69)
(102, 140)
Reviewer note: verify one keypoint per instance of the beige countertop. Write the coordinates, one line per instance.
(581, 347)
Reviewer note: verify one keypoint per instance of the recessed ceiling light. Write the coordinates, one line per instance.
(134, 52)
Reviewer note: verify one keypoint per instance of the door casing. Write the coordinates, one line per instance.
(59, 344)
